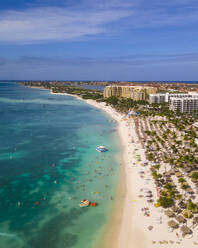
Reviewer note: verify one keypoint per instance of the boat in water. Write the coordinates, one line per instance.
(84, 203)
(101, 149)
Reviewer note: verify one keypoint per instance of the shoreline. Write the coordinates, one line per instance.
(128, 226)
(117, 229)
(131, 227)
(109, 237)
(110, 233)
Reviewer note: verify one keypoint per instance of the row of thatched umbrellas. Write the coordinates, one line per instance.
(177, 210)
(185, 230)
(180, 220)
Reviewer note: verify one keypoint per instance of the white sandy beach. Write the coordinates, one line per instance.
(132, 231)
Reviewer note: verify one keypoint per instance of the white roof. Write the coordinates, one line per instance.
(192, 93)
(183, 99)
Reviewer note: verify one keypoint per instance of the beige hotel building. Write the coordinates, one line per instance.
(134, 92)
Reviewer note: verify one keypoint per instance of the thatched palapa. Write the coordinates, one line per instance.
(173, 224)
(169, 213)
(181, 219)
(176, 209)
(186, 230)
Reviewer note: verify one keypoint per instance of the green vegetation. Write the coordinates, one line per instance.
(124, 104)
(63, 87)
(178, 197)
(168, 136)
(165, 202)
(194, 175)
(156, 166)
(191, 206)
(184, 186)
(92, 96)
(84, 93)
(181, 180)
(121, 104)
(187, 214)
(168, 191)
(155, 175)
(168, 186)
(150, 156)
(113, 100)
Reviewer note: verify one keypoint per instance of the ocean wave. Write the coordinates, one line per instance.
(39, 101)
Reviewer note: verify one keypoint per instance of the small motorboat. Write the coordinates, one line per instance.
(101, 149)
(84, 203)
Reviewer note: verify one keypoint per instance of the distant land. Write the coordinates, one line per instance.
(104, 82)
(162, 86)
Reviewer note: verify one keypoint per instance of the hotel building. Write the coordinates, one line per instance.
(157, 98)
(165, 97)
(134, 92)
(184, 105)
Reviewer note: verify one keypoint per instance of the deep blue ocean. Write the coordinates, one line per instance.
(48, 164)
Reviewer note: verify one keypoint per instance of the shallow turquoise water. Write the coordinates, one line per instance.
(48, 163)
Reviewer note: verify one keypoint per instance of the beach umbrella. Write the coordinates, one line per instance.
(148, 191)
(188, 169)
(178, 174)
(144, 189)
(185, 230)
(189, 190)
(172, 172)
(195, 220)
(176, 209)
(182, 204)
(141, 172)
(169, 213)
(150, 228)
(173, 224)
(148, 195)
(181, 219)
(167, 174)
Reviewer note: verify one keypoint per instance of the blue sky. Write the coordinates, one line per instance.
(99, 39)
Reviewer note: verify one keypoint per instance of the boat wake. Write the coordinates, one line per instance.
(8, 235)
(19, 241)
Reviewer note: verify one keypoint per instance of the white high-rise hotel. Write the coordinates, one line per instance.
(184, 103)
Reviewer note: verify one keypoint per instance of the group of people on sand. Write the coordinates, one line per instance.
(146, 211)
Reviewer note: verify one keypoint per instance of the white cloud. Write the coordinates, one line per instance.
(92, 19)
(43, 24)
(136, 67)
(131, 60)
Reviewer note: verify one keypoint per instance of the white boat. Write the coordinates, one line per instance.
(101, 149)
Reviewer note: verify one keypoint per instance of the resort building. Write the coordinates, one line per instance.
(134, 92)
(179, 95)
(184, 105)
(157, 98)
(165, 97)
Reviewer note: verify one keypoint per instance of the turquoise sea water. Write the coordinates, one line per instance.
(48, 164)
